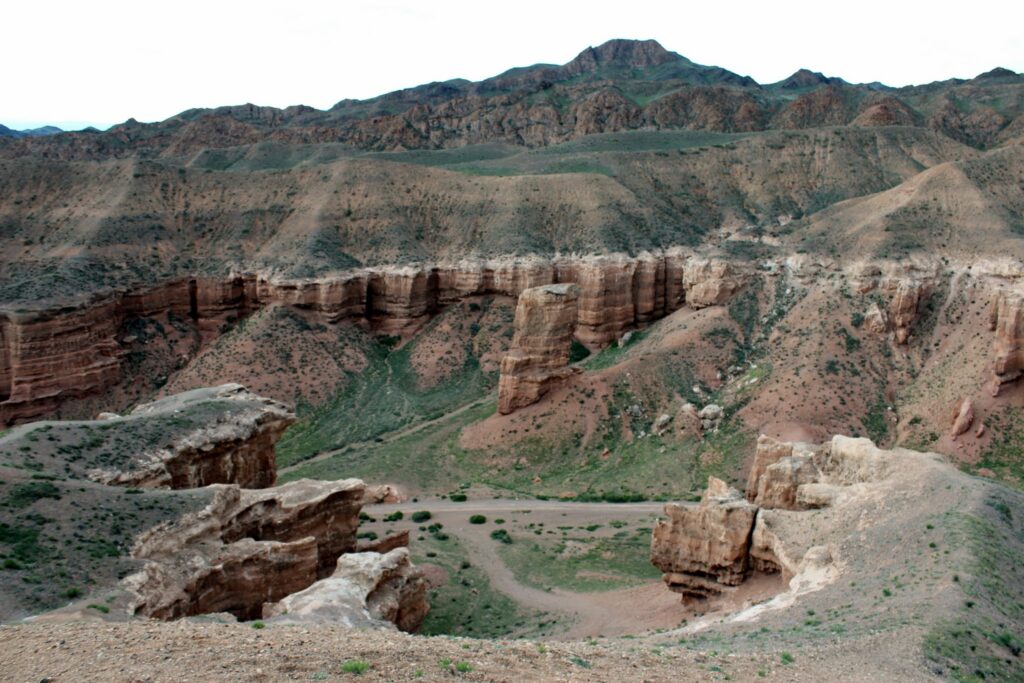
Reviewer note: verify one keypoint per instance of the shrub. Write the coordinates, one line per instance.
(421, 516)
(786, 658)
(100, 608)
(258, 625)
(463, 667)
(502, 536)
(73, 593)
(355, 666)
(477, 519)
(577, 352)
(394, 516)
(458, 497)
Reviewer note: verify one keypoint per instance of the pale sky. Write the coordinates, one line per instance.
(75, 63)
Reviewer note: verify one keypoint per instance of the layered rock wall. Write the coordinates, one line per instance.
(49, 356)
(539, 357)
(234, 444)
(1006, 320)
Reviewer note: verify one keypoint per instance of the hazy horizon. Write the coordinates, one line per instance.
(153, 64)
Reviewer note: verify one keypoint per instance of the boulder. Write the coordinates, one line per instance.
(963, 417)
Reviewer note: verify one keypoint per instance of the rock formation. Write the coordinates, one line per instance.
(903, 308)
(963, 417)
(49, 356)
(710, 548)
(233, 445)
(709, 282)
(705, 548)
(539, 357)
(250, 547)
(1006, 319)
(366, 590)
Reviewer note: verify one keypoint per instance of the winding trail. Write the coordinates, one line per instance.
(605, 613)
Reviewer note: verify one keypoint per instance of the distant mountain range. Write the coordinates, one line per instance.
(618, 86)
(6, 132)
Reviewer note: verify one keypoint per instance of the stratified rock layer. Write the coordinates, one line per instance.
(235, 446)
(712, 547)
(246, 548)
(539, 357)
(1006, 319)
(49, 356)
(701, 549)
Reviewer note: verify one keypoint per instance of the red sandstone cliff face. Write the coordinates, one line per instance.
(51, 356)
(539, 357)
(1006, 319)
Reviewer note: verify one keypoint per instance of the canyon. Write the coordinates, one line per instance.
(432, 362)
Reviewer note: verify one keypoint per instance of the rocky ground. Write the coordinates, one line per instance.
(186, 651)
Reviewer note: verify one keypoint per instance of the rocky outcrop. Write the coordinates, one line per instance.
(903, 308)
(246, 548)
(51, 356)
(710, 282)
(963, 417)
(539, 357)
(230, 441)
(710, 548)
(366, 590)
(704, 549)
(1006, 320)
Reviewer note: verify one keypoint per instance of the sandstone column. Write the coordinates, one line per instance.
(539, 357)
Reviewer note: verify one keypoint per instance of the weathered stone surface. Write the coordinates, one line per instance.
(246, 548)
(963, 417)
(709, 282)
(234, 446)
(52, 355)
(769, 451)
(539, 357)
(903, 308)
(1006, 319)
(703, 549)
(366, 590)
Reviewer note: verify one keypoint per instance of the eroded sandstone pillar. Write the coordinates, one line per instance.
(539, 357)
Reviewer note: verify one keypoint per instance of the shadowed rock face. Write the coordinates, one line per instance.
(246, 548)
(539, 357)
(1006, 319)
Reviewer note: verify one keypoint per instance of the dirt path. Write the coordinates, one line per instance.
(605, 613)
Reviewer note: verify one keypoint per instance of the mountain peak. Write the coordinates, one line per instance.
(998, 72)
(805, 78)
(622, 52)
